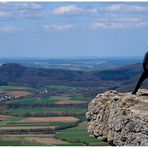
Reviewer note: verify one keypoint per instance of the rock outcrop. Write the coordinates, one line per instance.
(119, 118)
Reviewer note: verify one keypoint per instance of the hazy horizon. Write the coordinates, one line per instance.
(74, 57)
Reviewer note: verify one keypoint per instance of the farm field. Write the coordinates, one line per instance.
(49, 100)
(24, 111)
(12, 89)
(49, 119)
(37, 117)
(4, 117)
(18, 93)
(15, 141)
(79, 135)
(24, 127)
(48, 141)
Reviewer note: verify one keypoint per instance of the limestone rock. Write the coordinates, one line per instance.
(119, 118)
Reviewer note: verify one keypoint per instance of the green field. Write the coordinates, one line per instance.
(60, 87)
(46, 100)
(14, 87)
(19, 143)
(33, 101)
(78, 135)
(11, 119)
(79, 98)
(72, 134)
(24, 111)
(60, 124)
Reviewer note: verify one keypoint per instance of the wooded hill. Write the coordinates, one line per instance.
(16, 74)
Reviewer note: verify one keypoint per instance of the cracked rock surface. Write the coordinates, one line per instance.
(119, 118)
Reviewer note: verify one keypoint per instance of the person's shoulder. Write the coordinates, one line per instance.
(146, 53)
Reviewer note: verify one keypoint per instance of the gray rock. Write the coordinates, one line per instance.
(119, 118)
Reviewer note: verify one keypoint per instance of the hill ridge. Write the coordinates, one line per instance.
(122, 79)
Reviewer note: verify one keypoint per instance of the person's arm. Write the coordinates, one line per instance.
(145, 61)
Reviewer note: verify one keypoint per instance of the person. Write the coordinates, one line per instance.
(144, 74)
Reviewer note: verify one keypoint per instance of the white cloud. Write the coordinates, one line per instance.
(21, 10)
(118, 17)
(118, 25)
(36, 6)
(73, 9)
(92, 11)
(70, 9)
(99, 25)
(4, 14)
(20, 5)
(58, 27)
(9, 29)
(125, 7)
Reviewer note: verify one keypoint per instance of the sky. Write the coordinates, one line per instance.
(73, 29)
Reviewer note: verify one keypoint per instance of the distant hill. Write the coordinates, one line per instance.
(81, 63)
(124, 73)
(18, 74)
(127, 76)
(122, 78)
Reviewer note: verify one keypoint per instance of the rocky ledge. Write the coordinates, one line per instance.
(119, 118)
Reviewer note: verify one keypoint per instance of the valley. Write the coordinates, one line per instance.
(41, 106)
(43, 119)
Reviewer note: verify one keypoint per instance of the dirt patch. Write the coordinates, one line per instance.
(2, 91)
(18, 93)
(4, 117)
(48, 141)
(60, 99)
(57, 99)
(9, 138)
(70, 102)
(49, 119)
(84, 123)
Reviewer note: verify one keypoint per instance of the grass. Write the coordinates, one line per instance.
(23, 111)
(64, 89)
(40, 100)
(79, 98)
(46, 100)
(13, 87)
(70, 144)
(75, 136)
(59, 86)
(18, 143)
(81, 117)
(40, 124)
(11, 119)
(33, 101)
(78, 135)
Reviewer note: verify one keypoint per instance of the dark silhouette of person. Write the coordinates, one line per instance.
(144, 74)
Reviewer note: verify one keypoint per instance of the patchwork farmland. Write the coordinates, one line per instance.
(34, 117)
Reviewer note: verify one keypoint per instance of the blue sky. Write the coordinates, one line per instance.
(51, 29)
